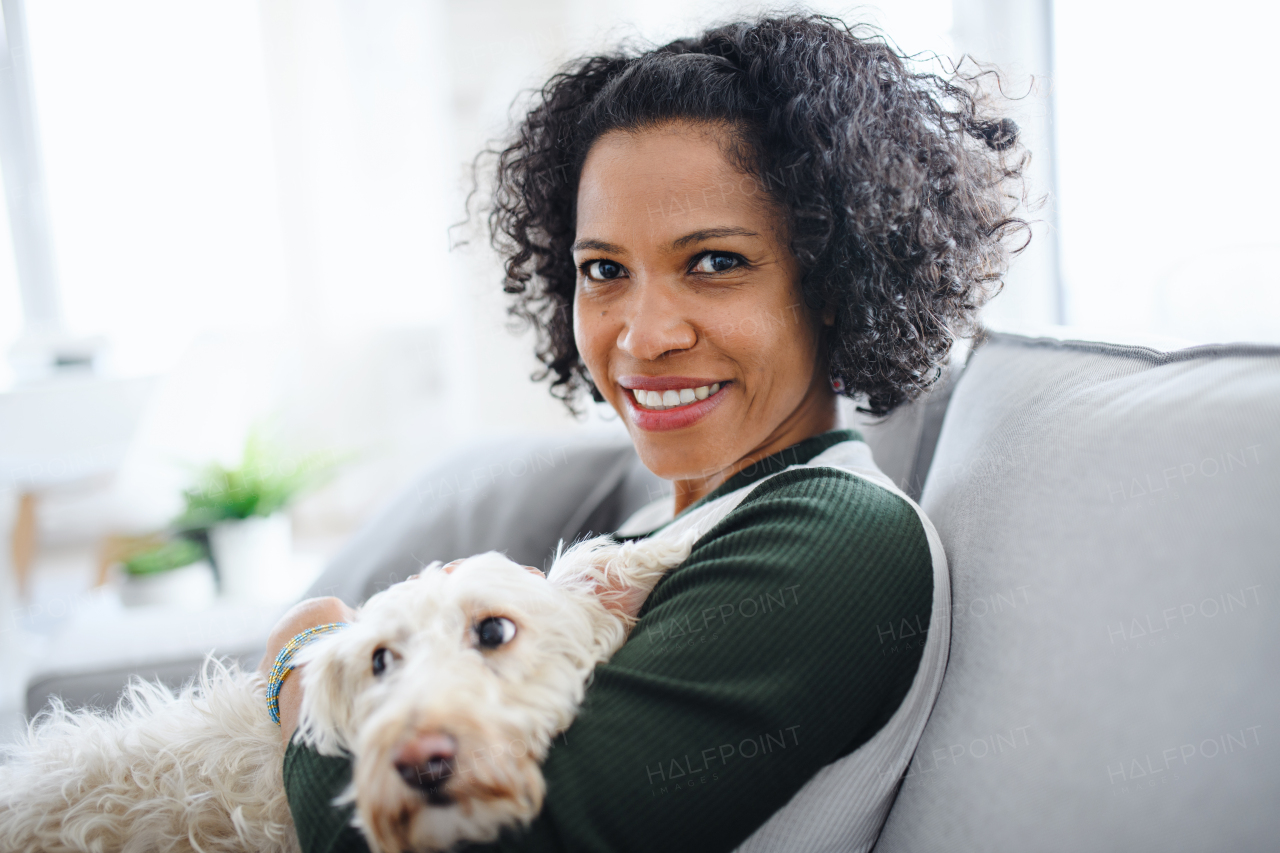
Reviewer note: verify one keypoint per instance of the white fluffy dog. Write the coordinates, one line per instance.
(447, 689)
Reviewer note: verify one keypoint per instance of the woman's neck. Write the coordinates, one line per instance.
(816, 415)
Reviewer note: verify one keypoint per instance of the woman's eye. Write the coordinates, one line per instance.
(381, 657)
(495, 631)
(714, 262)
(602, 270)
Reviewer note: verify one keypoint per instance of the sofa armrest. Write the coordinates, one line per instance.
(90, 661)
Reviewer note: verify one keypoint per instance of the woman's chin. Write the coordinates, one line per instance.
(681, 455)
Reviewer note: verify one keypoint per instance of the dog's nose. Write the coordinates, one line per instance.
(425, 762)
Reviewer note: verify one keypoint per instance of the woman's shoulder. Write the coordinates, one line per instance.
(818, 526)
(826, 503)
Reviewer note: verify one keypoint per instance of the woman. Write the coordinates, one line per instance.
(718, 237)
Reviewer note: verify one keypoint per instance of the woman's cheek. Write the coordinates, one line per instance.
(582, 336)
(591, 335)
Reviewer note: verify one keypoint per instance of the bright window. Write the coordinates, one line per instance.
(1166, 141)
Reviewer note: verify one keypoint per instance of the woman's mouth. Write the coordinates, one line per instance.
(661, 403)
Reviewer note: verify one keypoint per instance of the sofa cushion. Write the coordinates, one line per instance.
(1109, 515)
(903, 442)
(520, 495)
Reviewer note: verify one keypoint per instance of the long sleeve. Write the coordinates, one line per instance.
(757, 662)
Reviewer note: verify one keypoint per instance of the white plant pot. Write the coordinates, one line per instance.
(253, 556)
(188, 587)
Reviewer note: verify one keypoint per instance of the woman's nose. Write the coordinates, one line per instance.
(655, 324)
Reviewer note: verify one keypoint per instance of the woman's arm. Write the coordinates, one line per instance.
(303, 615)
(753, 665)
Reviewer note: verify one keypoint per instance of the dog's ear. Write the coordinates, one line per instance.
(619, 576)
(325, 720)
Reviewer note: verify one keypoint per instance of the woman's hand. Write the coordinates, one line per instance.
(300, 617)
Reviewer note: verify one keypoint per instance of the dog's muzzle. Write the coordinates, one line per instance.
(426, 763)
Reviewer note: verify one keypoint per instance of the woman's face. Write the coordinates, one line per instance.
(688, 311)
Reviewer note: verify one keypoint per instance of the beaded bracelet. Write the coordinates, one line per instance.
(283, 665)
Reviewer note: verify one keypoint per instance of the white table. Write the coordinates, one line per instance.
(62, 432)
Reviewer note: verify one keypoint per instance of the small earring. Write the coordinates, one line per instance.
(837, 384)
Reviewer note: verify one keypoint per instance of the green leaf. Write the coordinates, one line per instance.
(264, 483)
(171, 555)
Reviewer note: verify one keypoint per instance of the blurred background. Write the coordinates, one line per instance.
(225, 250)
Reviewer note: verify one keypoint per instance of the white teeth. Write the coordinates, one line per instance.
(661, 400)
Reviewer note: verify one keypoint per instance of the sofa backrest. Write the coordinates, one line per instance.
(903, 442)
(1110, 519)
(523, 494)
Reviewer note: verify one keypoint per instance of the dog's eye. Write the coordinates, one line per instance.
(381, 657)
(495, 631)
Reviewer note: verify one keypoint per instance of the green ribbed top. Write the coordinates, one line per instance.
(766, 655)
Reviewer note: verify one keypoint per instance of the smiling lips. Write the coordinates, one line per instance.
(671, 398)
(660, 403)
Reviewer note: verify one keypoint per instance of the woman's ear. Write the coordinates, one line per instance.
(326, 717)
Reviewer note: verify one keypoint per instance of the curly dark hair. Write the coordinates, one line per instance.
(898, 187)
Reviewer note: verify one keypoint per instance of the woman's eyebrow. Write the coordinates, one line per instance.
(711, 234)
(598, 245)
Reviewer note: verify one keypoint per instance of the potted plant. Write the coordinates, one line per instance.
(242, 512)
(168, 573)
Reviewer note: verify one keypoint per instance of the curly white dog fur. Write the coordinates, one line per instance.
(447, 689)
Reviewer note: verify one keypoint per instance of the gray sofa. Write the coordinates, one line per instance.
(1109, 515)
